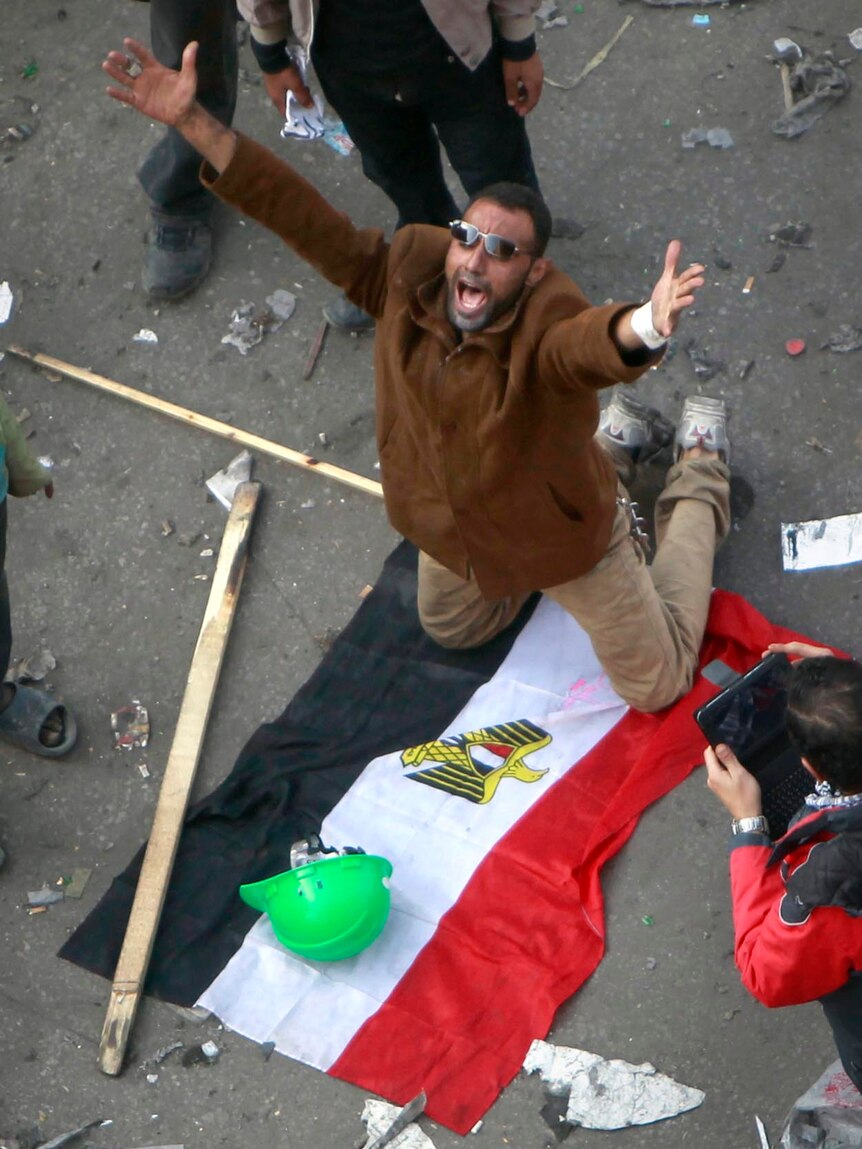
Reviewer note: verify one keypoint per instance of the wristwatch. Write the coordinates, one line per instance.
(757, 825)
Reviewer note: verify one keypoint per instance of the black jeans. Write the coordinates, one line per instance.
(398, 121)
(169, 174)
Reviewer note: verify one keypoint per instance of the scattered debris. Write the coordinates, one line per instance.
(822, 543)
(145, 335)
(167, 527)
(790, 234)
(131, 726)
(794, 347)
(30, 70)
(777, 263)
(700, 20)
(846, 338)
(315, 349)
(188, 538)
(308, 505)
(685, 3)
(210, 1051)
(715, 137)
(548, 15)
(648, 920)
(816, 445)
(829, 1113)
(32, 910)
(815, 83)
(162, 1054)
(44, 897)
(74, 887)
(384, 1123)
(205, 1054)
(248, 327)
(598, 59)
(143, 770)
(267, 1049)
(704, 367)
(207, 553)
(855, 38)
(32, 669)
(609, 1094)
(553, 1113)
(322, 439)
(5, 301)
(65, 1138)
(748, 285)
(744, 368)
(223, 484)
(761, 1133)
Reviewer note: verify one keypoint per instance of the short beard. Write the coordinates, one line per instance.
(487, 316)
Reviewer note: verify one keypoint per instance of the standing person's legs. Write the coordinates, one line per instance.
(454, 613)
(486, 140)
(395, 139)
(180, 244)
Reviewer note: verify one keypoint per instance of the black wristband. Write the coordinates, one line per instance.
(517, 49)
(271, 58)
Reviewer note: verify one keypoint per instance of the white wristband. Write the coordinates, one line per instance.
(641, 320)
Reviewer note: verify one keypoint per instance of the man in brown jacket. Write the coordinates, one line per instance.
(488, 366)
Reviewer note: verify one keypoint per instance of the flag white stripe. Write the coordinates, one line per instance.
(434, 840)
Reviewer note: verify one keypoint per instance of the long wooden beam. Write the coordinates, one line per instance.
(204, 422)
(131, 971)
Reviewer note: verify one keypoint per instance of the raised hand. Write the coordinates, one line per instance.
(154, 90)
(674, 292)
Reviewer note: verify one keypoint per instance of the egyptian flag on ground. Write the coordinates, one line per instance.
(497, 782)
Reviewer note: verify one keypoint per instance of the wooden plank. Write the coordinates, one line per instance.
(177, 782)
(195, 419)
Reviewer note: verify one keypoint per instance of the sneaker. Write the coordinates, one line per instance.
(178, 255)
(346, 316)
(639, 430)
(703, 423)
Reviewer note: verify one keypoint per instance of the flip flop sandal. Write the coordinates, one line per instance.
(23, 719)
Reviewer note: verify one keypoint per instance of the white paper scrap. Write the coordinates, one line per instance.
(5, 301)
(378, 1117)
(822, 543)
(611, 1094)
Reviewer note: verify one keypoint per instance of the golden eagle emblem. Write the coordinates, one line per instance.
(469, 765)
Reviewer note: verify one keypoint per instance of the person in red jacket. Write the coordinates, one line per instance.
(797, 902)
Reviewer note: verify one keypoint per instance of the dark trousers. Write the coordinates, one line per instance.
(5, 617)
(397, 119)
(169, 174)
(843, 1010)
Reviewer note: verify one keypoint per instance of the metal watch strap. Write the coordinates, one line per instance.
(756, 825)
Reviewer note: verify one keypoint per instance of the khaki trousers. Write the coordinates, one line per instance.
(646, 623)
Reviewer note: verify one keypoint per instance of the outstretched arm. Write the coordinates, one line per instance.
(169, 97)
(673, 292)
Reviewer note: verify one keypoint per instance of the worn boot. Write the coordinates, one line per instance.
(178, 255)
(346, 316)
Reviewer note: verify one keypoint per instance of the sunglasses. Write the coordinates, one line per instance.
(497, 246)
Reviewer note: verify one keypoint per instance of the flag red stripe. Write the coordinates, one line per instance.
(528, 929)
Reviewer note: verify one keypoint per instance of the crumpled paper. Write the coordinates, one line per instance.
(609, 1094)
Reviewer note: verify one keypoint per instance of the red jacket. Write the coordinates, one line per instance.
(797, 912)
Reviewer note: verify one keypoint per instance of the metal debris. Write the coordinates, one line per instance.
(822, 543)
(609, 1094)
(248, 327)
(223, 484)
(131, 726)
(846, 338)
(65, 1138)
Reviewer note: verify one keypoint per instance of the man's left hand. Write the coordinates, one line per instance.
(733, 785)
(674, 292)
(523, 80)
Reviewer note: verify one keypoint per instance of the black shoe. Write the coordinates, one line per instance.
(178, 256)
(346, 316)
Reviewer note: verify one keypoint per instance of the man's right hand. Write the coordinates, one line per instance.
(278, 84)
(154, 90)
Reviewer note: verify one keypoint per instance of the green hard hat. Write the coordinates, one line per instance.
(326, 910)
